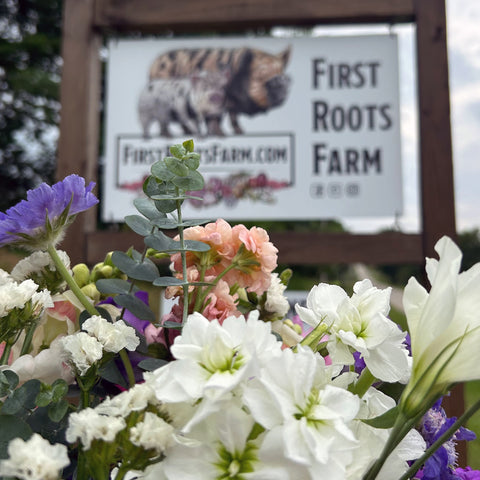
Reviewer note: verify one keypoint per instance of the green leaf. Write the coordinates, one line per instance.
(112, 374)
(12, 427)
(169, 282)
(147, 208)
(44, 397)
(188, 145)
(191, 182)
(166, 206)
(161, 242)
(60, 389)
(167, 224)
(178, 151)
(8, 381)
(173, 325)
(160, 171)
(58, 410)
(176, 166)
(192, 160)
(196, 246)
(139, 224)
(151, 364)
(135, 306)
(146, 270)
(115, 285)
(386, 420)
(23, 398)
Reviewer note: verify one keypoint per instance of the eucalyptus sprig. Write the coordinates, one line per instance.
(166, 189)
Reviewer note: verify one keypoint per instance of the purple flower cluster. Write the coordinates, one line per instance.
(48, 209)
(442, 464)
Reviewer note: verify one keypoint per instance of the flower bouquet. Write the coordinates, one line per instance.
(95, 384)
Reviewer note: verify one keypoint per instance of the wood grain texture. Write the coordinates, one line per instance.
(300, 248)
(231, 14)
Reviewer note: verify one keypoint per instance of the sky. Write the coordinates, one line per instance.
(463, 42)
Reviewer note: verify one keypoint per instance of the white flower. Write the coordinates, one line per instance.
(113, 336)
(81, 350)
(36, 262)
(15, 295)
(87, 425)
(296, 400)
(34, 459)
(444, 326)
(46, 366)
(359, 324)
(222, 450)
(276, 301)
(213, 359)
(135, 399)
(152, 433)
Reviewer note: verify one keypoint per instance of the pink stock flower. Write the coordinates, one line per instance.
(220, 304)
(218, 235)
(258, 248)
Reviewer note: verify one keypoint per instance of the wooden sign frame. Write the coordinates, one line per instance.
(87, 21)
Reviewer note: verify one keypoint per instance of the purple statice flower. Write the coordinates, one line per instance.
(441, 465)
(467, 474)
(40, 220)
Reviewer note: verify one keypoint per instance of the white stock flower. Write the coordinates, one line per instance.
(88, 425)
(81, 350)
(359, 324)
(34, 459)
(295, 400)
(444, 326)
(276, 301)
(113, 336)
(152, 433)
(212, 359)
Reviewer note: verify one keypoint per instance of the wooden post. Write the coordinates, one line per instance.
(80, 100)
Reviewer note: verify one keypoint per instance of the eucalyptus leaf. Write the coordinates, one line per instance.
(196, 246)
(151, 364)
(147, 208)
(12, 427)
(166, 206)
(172, 325)
(166, 223)
(8, 381)
(192, 160)
(23, 398)
(188, 145)
(112, 374)
(160, 242)
(193, 181)
(178, 151)
(169, 282)
(160, 171)
(176, 166)
(115, 285)
(139, 224)
(59, 388)
(58, 410)
(146, 270)
(135, 306)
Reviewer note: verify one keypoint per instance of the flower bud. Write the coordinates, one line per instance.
(91, 291)
(81, 274)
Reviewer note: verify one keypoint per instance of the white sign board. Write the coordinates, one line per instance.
(287, 128)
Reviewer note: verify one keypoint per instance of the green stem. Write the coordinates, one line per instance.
(363, 383)
(440, 441)
(183, 255)
(89, 307)
(71, 282)
(312, 339)
(6, 353)
(27, 342)
(128, 367)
